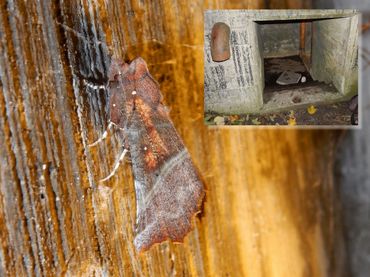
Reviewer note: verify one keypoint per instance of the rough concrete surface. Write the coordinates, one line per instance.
(279, 39)
(236, 86)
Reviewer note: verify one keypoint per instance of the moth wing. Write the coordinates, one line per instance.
(166, 210)
(168, 189)
(117, 104)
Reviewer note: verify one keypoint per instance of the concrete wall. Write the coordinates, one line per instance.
(334, 51)
(279, 39)
(235, 85)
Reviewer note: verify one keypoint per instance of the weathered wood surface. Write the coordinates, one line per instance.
(354, 158)
(271, 207)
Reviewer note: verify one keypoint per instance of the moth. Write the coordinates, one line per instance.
(168, 189)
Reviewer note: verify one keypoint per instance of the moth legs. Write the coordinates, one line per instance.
(121, 156)
(103, 137)
(116, 165)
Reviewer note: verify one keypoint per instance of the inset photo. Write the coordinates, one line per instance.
(281, 67)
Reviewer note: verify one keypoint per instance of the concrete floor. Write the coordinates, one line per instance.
(283, 97)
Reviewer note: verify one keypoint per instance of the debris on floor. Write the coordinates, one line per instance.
(353, 106)
(219, 120)
(338, 114)
(275, 68)
(288, 78)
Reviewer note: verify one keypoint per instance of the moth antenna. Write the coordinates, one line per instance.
(92, 86)
(115, 166)
(103, 137)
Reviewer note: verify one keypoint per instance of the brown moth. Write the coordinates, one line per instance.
(168, 189)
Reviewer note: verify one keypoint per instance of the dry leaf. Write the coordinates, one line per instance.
(272, 117)
(233, 118)
(256, 121)
(311, 109)
(292, 121)
(236, 120)
(219, 120)
(207, 118)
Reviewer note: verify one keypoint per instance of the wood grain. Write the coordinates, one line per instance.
(271, 207)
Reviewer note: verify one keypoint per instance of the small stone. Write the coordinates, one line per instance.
(296, 99)
(353, 104)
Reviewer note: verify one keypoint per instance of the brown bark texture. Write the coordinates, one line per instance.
(271, 207)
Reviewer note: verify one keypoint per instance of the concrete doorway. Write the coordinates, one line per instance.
(322, 42)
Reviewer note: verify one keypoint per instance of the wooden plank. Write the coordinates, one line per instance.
(271, 207)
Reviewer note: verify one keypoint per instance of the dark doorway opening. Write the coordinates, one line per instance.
(304, 51)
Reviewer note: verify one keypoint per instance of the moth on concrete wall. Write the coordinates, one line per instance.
(168, 189)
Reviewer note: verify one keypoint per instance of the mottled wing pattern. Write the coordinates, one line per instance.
(168, 189)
